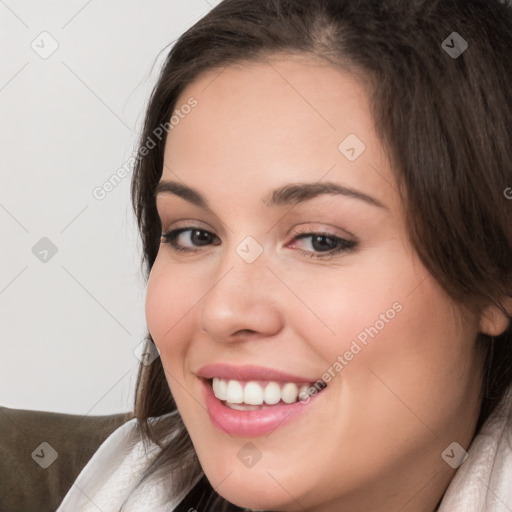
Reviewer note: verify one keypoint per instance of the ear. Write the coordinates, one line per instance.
(493, 321)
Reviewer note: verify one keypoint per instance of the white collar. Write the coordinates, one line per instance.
(113, 471)
(483, 483)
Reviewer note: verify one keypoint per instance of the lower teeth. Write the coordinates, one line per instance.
(246, 407)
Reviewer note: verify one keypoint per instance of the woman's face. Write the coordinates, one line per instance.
(266, 280)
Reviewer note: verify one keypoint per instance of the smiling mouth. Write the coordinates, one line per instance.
(255, 395)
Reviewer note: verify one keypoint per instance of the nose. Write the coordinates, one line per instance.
(244, 301)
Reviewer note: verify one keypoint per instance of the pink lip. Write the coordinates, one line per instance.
(248, 372)
(251, 423)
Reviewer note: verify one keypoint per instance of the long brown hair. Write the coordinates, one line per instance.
(446, 124)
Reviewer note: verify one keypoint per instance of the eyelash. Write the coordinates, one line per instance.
(344, 245)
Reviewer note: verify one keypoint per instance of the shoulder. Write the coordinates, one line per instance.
(112, 472)
(482, 482)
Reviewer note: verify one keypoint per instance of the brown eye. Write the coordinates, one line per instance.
(325, 244)
(196, 236)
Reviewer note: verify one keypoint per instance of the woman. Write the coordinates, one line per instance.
(321, 192)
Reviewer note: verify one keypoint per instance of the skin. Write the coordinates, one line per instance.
(374, 439)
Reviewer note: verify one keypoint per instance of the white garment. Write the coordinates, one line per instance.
(109, 476)
(483, 483)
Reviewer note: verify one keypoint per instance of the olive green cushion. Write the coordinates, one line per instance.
(25, 485)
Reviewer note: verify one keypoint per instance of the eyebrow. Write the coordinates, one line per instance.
(292, 193)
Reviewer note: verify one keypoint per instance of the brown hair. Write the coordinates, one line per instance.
(445, 122)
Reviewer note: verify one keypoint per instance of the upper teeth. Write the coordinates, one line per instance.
(253, 393)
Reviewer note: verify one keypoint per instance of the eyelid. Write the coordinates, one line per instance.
(345, 245)
(167, 211)
(321, 227)
(309, 228)
(186, 223)
(349, 242)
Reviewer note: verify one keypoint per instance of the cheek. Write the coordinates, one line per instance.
(419, 369)
(167, 308)
(157, 304)
(168, 299)
(361, 303)
(387, 315)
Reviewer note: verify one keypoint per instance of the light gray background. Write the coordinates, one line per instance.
(69, 325)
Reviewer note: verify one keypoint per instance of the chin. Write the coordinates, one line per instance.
(259, 487)
(246, 496)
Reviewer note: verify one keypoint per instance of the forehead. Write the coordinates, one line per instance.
(295, 95)
(285, 119)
